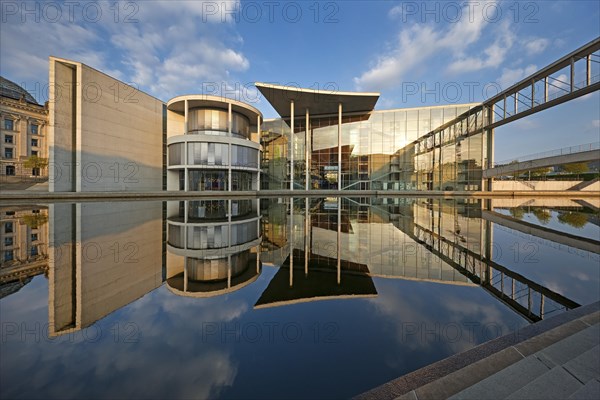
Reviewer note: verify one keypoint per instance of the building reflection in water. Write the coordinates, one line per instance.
(23, 246)
(100, 257)
(438, 240)
(213, 246)
(103, 256)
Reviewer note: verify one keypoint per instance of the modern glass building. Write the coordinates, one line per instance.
(339, 142)
(212, 144)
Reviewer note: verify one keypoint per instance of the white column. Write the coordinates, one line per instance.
(291, 242)
(185, 274)
(588, 74)
(490, 144)
(572, 74)
(339, 241)
(229, 146)
(306, 235)
(306, 153)
(257, 259)
(339, 146)
(185, 117)
(185, 146)
(229, 118)
(229, 167)
(259, 152)
(228, 271)
(292, 145)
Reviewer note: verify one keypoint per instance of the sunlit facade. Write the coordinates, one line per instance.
(379, 151)
(339, 142)
(212, 144)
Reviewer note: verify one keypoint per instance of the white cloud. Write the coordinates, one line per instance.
(418, 43)
(596, 123)
(494, 54)
(536, 46)
(165, 49)
(511, 76)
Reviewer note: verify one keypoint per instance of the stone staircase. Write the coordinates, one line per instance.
(567, 369)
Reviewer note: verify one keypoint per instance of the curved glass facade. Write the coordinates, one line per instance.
(217, 152)
(214, 121)
(203, 153)
(207, 270)
(217, 209)
(218, 180)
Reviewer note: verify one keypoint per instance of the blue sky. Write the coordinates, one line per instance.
(414, 53)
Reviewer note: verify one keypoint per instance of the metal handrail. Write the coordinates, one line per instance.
(551, 153)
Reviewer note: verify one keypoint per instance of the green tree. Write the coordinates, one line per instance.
(34, 221)
(576, 168)
(542, 215)
(36, 162)
(540, 171)
(575, 219)
(517, 212)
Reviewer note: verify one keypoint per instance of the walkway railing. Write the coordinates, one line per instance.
(551, 153)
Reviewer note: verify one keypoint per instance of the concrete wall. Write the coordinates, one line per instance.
(537, 185)
(106, 255)
(109, 133)
(592, 187)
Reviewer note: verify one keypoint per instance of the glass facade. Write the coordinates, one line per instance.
(211, 180)
(208, 121)
(219, 149)
(380, 150)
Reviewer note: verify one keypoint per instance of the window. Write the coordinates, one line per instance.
(35, 171)
(10, 213)
(8, 152)
(35, 129)
(8, 255)
(34, 153)
(34, 237)
(9, 124)
(10, 170)
(8, 227)
(9, 139)
(8, 241)
(34, 251)
(34, 143)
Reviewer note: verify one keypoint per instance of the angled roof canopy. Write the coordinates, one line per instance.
(318, 102)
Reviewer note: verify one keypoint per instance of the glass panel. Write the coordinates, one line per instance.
(175, 154)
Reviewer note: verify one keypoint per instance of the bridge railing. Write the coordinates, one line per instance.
(551, 153)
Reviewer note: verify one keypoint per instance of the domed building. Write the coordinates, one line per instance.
(23, 124)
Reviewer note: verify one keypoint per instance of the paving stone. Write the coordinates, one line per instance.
(468, 376)
(585, 367)
(550, 337)
(591, 319)
(506, 381)
(554, 384)
(589, 391)
(569, 348)
(408, 396)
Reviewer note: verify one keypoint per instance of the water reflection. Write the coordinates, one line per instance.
(213, 246)
(364, 272)
(103, 256)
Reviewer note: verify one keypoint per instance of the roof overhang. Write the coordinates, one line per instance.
(177, 104)
(318, 102)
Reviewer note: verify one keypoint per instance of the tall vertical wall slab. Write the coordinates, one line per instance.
(104, 134)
